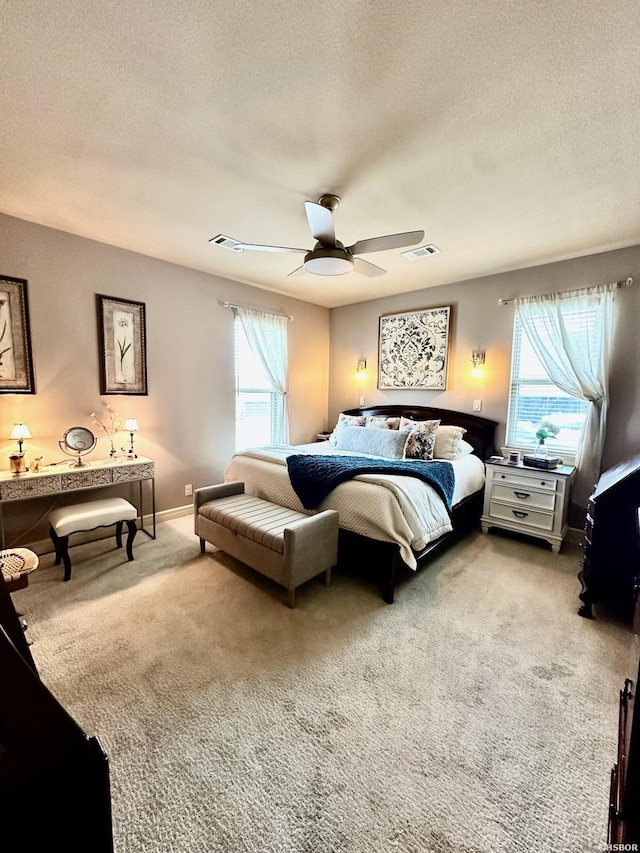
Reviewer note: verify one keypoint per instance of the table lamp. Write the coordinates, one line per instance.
(16, 461)
(19, 433)
(131, 426)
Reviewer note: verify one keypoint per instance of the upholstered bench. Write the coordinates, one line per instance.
(287, 546)
(79, 518)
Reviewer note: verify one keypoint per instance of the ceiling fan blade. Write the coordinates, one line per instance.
(296, 271)
(391, 241)
(366, 268)
(321, 223)
(254, 247)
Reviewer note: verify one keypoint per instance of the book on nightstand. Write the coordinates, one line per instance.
(546, 464)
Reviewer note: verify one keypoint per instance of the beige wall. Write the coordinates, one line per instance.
(186, 421)
(479, 323)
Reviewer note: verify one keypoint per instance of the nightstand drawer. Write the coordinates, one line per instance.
(524, 497)
(518, 478)
(519, 515)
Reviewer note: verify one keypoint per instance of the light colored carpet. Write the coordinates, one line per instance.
(478, 713)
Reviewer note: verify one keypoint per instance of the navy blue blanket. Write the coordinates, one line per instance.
(313, 477)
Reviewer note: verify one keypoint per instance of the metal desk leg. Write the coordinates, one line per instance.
(152, 480)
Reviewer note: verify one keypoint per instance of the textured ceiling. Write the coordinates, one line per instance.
(508, 131)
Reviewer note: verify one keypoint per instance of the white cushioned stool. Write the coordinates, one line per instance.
(79, 518)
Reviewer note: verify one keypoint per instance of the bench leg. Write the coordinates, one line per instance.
(119, 525)
(133, 529)
(63, 545)
(291, 598)
(56, 545)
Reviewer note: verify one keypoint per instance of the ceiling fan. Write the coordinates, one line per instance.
(329, 256)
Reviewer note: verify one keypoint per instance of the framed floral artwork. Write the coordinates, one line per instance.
(413, 349)
(123, 346)
(16, 360)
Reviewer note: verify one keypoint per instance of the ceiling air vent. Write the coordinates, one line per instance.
(226, 242)
(421, 252)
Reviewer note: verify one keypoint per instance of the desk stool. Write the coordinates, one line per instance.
(79, 518)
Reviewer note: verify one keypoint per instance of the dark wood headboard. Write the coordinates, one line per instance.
(480, 432)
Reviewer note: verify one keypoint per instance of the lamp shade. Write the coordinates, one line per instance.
(20, 432)
(131, 425)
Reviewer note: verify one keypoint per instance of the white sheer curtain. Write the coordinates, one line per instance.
(571, 335)
(267, 337)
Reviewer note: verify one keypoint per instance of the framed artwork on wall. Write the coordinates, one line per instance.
(16, 359)
(123, 344)
(413, 349)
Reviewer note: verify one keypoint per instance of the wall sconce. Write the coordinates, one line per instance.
(131, 426)
(477, 363)
(19, 433)
(361, 370)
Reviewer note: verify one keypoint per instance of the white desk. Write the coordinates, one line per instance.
(62, 478)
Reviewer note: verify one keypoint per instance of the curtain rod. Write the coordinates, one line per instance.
(273, 313)
(625, 283)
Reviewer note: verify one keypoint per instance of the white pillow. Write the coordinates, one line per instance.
(422, 438)
(447, 442)
(464, 448)
(346, 420)
(388, 443)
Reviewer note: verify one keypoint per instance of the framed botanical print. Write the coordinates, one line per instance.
(123, 344)
(16, 360)
(413, 349)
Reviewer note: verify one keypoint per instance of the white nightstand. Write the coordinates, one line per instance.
(528, 500)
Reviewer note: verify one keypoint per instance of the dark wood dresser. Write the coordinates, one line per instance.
(611, 559)
(54, 779)
(624, 800)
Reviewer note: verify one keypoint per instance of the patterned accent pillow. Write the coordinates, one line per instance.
(375, 422)
(346, 420)
(448, 440)
(388, 443)
(422, 438)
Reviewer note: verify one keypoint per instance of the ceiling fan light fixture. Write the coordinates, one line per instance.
(327, 261)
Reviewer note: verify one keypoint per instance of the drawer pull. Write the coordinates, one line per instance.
(519, 513)
(522, 495)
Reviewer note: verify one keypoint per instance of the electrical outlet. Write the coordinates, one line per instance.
(477, 405)
(188, 489)
(361, 401)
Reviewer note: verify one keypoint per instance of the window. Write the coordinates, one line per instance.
(256, 402)
(534, 398)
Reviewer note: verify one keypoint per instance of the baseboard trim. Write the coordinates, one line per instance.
(168, 514)
(45, 546)
(575, 535)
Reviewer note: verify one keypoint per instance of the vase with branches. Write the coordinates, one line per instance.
(111, 425)
(546, 429)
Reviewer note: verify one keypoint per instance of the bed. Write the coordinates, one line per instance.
(388, 524)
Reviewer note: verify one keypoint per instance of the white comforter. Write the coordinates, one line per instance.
(386, 507)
